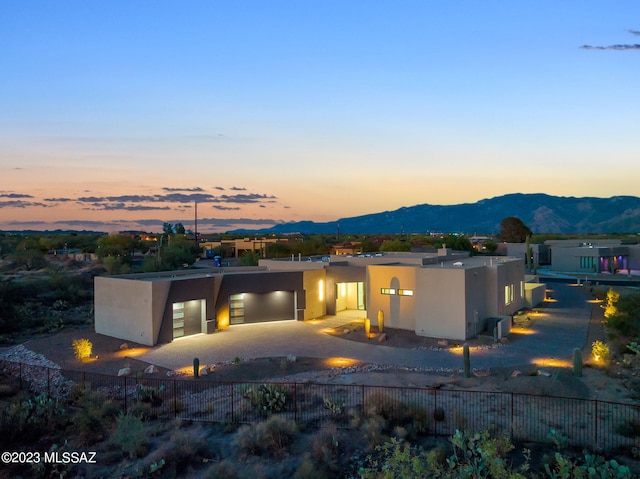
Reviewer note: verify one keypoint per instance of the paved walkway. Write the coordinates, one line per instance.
(562, 327)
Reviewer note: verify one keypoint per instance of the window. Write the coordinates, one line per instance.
(405, 292)
(586, 262)
(387, 291)
(509, 294)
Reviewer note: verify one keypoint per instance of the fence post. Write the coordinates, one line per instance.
(175, 400)
(295, 402)
(21, 386)
(49, 382)
(233, 400)
(435, 408)
(83, 380)
(125, 394)
(511, 433)
(363, 405)
(595, 421)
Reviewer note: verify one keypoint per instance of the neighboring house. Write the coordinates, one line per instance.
(593, 256)
(346, 248)
(540, 254)
(445, 294)
(238, 247)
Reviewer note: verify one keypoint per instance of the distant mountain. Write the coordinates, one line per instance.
(541, 213)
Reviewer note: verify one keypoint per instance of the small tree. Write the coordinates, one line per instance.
(513, 230)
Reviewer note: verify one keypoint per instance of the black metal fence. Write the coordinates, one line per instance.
(585, 422)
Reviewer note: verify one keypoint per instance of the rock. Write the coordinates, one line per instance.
(504, 340)
(151, 369)
(123, 346)
(544, 373)
(481, 373)
(346, 331)
(382, 338)
(516, 373)
(443, 342)
(291, 358)
(204, 371)
(124, 372)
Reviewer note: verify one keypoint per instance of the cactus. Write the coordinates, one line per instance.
(577, 362)
(267, 398)
(467, 361)
(381, 321)
(196, 368)
(367, 327)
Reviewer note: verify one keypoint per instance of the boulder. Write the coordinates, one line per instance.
(151, 369)
(124, 372)
(291, 358)
(516, 373)
(123, 346)
(443, 342)
(382, 338)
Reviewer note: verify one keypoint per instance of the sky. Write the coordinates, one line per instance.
(119, 115)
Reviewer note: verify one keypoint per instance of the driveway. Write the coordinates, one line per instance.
(562, 327)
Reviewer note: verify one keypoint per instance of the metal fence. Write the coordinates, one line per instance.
(439, 412)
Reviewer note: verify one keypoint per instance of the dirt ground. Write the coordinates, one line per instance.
(113, 354)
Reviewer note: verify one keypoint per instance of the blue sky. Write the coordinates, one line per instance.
(285, 111)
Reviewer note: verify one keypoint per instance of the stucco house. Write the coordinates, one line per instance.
(445, 294)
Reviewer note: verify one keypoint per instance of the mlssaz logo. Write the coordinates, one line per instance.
(70, 457)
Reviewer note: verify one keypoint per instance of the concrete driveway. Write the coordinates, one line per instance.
(562, 327)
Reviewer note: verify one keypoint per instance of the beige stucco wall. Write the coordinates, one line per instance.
(312, 281)
(129, 309)
(399, 311)
(534, 294)
(441, 309)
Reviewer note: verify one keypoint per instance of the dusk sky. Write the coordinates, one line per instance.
(121, 114)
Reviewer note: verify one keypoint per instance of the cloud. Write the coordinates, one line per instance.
(195, 188)
(14, 195)
(225, 208)
(20, 204)
(124, 207)
(635, 46)
(59, 200)
(619, 47)
(242, 198)
(219, 188)
(237, 188)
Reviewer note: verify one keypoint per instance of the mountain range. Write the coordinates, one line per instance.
(542, 213)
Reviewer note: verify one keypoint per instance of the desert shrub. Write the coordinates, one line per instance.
(600, 351)
(129, 435)
(397, 460)
(225, 468)
(95, 414)
(149, 394)
(326, 447)
(395, 412)
(308, 469)
(82, 348)
(372, 430)
(267, 398)
(25, 420)
(272, 436)
(589, 466)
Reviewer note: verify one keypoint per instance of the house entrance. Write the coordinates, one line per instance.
(188, 317)
(350, 296)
